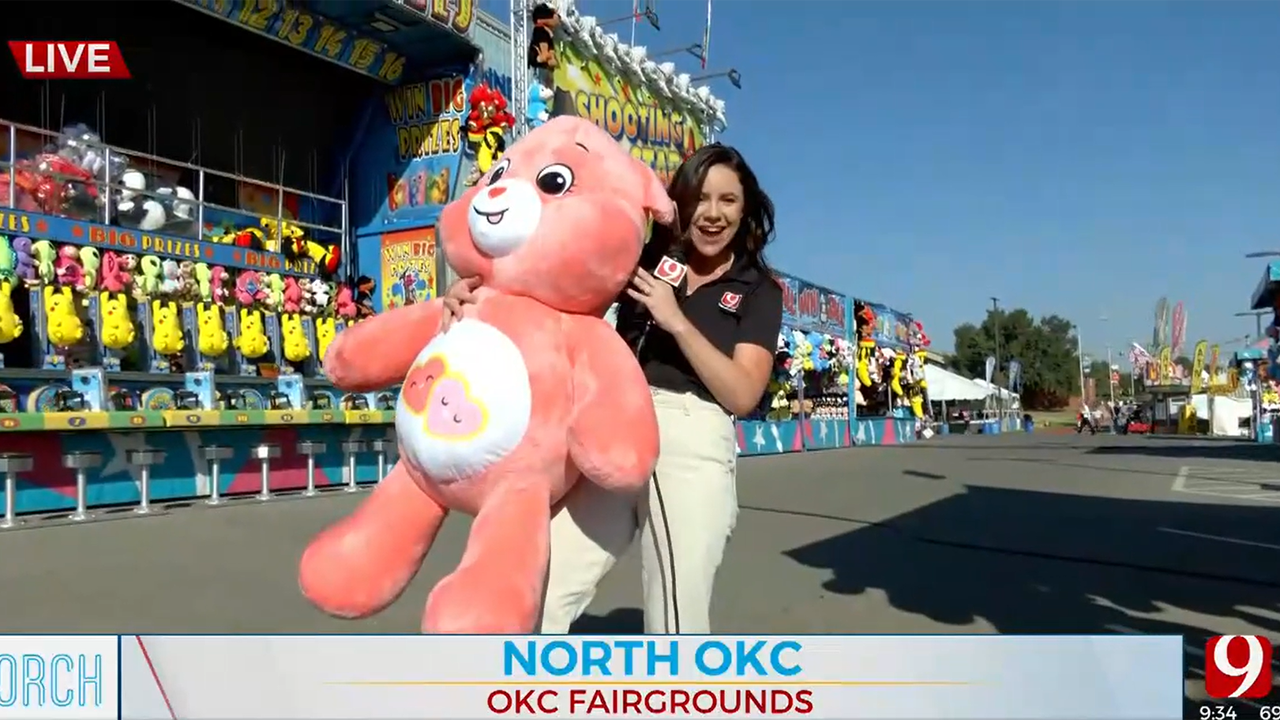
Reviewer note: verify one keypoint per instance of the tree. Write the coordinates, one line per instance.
(1046, 348)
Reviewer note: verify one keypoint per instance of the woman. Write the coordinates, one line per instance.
(707, 350)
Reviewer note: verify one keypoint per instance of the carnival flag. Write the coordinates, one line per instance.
(1166, 365)
(991, 368)
(1015, 376)
(1213, 363)
(1138, 356)
(1160, 336)
(1178, 332)
(1197, 366)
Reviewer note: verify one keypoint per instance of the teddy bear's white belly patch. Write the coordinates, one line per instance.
(465, 403)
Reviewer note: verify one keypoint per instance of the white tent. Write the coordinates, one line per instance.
(993, 389)
(946, 386)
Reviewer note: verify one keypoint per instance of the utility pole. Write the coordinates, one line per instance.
(995, 310)
(1111, 385)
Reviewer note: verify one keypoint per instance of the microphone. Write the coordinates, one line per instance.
(672, 270)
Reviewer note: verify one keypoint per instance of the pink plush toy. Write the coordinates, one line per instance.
(218, 284)
(115, 277)
(249, 288)
(292, 302)
(67, 267)
(526, 395)
(344, 303)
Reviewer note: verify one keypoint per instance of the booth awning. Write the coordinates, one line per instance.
(946, 386)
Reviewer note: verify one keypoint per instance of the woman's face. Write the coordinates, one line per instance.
(719, 213)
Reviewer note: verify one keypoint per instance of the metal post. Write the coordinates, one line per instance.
(200, 204)
(144, 490)
(215, 473)
(995, 311)
(264, 493)
(1080, 362)
(13, 154)
(10, 500)
(106, 197)
(351, 473)
(311, 476)
(82, 495)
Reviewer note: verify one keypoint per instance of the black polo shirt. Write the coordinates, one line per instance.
(744, 305)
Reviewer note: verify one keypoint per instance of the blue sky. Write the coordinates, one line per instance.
(1077, 158)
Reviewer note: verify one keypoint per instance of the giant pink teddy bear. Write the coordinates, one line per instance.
(527, 394)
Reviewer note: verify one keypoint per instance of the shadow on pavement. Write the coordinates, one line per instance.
(1202, 450)
(1042, 563)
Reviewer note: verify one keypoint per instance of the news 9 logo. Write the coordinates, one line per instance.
(1238, 666)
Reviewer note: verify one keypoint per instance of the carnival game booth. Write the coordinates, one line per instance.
(807, 404)
(177, 250)
(891, 388)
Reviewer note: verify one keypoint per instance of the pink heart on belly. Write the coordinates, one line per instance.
(453, 413)
(417, 387)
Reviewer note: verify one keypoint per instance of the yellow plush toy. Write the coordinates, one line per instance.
(166, 335)
(10, 323)
(326, 331)
(62, 321)
(296, 347)
(117, 331)
(252, 342)
(895, 379)
(212, 339)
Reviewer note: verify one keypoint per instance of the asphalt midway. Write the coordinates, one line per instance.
(1013, 534)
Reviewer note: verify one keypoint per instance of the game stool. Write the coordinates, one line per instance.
(310, 449)
(11, 465)
(81, 462)
(350, 449)
(214, 455)
(265, 453)
(144, 460)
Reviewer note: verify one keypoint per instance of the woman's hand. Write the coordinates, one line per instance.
(659, 299)
(460, 293)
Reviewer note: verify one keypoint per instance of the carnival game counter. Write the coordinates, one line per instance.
(179, 435)
(772, 437)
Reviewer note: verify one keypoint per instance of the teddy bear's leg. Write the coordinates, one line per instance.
(361, 564)
(498, 585)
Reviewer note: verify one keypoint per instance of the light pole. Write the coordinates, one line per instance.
(1111, 385)
(995, 312)
(1257, 319)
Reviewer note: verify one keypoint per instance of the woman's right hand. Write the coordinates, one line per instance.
(460, 293)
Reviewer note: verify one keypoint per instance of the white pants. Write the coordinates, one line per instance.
(696, 487)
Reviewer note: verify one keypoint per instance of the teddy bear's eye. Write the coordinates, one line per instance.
(498, 171)
(555, 179)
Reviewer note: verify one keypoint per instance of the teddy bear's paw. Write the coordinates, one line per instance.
(460, 606)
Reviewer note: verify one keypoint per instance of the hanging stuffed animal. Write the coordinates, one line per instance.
(542, 37)
(538, 110)
(867, 368)
(488, 152)
(488, 109)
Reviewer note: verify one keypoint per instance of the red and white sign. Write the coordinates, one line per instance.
(671, 271)
(1238, 666)
(69, 59)
(730, 301)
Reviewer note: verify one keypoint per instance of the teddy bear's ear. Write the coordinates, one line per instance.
(656, 201)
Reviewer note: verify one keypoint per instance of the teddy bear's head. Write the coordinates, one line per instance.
(561, 218)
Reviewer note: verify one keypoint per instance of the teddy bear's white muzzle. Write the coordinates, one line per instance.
(504, 216)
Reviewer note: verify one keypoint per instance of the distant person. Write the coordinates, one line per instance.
(1085, 420)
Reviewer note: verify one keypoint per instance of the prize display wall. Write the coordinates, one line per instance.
(174, 265)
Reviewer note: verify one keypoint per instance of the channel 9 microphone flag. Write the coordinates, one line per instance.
(441, 676)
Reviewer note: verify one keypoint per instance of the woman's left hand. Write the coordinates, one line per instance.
(658, 298)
